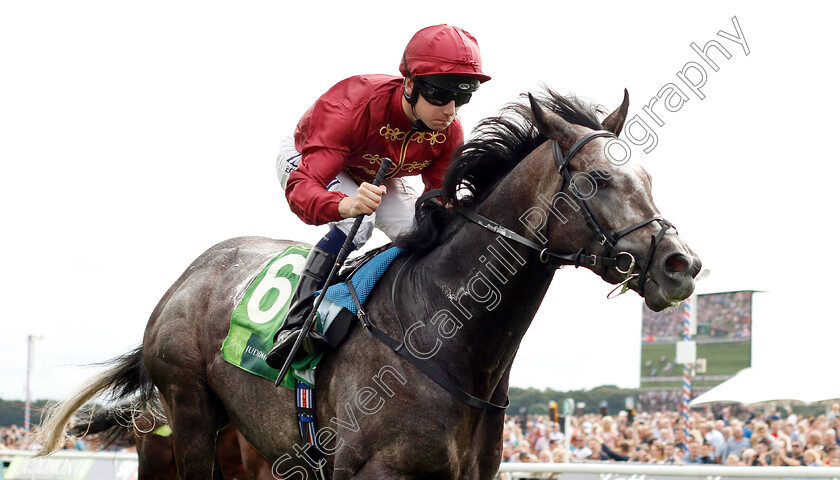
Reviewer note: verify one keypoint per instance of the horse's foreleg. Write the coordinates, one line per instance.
(194, 420)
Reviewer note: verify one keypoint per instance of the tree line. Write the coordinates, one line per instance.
(607, 399)
(12, 412)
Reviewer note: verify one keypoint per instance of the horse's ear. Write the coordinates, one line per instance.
(550, 124)
(615, 121)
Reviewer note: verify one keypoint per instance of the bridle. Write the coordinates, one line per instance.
(606, 238)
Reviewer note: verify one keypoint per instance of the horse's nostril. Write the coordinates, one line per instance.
(676, 263)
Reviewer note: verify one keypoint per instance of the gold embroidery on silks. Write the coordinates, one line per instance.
(397, 135)
(416, 166)
(366, 170)
(373, 159)
(377, 160)
(432, 137)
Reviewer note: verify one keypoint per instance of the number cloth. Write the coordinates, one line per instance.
(260, 314)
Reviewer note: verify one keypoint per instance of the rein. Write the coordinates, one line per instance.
(375, 332)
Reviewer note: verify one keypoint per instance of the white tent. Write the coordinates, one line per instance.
(763, 387)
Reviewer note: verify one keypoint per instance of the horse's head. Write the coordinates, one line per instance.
(607, 211)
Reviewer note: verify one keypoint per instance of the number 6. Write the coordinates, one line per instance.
(272, 281)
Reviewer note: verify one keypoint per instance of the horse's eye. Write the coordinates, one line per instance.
(602, 178)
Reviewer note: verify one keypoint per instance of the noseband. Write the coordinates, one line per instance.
(606, 238)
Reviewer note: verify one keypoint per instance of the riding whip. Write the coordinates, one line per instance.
(339, 261)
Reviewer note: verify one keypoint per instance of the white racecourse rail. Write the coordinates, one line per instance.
(68, 465)
(635, 471)
(73, 465)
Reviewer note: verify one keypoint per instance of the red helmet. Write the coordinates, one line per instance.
(442, 50)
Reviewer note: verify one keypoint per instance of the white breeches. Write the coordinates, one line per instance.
(394, 215)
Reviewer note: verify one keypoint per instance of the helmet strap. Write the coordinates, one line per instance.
(418, 124)
(412, 100)
(415, 93)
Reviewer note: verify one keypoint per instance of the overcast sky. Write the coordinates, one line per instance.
(133, 136)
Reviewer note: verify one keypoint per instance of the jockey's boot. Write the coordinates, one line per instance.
(315, 271)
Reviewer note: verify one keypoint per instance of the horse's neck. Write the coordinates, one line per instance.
(491, 286)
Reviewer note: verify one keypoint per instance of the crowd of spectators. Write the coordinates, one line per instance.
(720, 315)
(14, 438)
(662, 327)
(660, 401)
(779, 438)
(726, 314)
(745, 437)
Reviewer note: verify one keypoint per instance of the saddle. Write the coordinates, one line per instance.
(344, 320)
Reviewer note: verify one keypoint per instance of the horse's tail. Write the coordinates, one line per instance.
(109, 426)
(119, 425)
(125, 379)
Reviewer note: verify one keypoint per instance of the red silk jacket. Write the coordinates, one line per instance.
(350, 128)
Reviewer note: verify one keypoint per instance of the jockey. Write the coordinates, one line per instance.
(339, 143)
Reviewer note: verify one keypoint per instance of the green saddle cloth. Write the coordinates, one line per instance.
(260, 314)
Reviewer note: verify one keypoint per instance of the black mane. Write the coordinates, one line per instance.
(497, 145)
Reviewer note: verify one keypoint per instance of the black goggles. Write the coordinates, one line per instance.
(439, 96)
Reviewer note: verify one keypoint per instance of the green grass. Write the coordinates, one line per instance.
(721, 359)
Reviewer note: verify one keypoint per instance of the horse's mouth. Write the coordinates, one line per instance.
(658, 298)
(663, 283)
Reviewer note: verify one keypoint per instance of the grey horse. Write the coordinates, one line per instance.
(461, 299)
